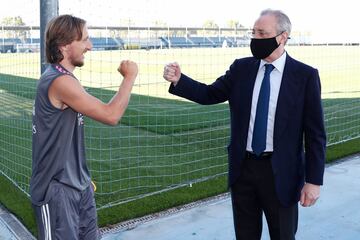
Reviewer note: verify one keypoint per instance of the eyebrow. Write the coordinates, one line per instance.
(261, 31)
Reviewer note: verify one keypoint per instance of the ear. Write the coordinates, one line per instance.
(285, 37)
(63, 48)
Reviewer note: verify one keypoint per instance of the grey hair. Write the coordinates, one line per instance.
(283, 21)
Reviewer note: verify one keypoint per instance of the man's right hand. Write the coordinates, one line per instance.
(172, 72)
(128, 69)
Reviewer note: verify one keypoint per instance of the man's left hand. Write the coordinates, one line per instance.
(309, 194)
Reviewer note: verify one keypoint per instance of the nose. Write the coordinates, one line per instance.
(89, 45)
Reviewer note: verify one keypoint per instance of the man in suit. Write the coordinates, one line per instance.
(277, 162)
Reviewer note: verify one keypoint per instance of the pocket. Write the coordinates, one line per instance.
(66, 211)
(57, 205)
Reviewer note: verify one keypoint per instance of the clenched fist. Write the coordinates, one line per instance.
(128, 69)
(172, 72)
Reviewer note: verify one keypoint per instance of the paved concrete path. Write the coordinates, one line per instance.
(336, 215)
(11, 228)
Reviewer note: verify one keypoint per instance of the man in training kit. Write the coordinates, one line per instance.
(60, 186)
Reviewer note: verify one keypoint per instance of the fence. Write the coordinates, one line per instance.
(162, 142)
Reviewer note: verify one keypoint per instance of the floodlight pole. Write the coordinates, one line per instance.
(48, 10)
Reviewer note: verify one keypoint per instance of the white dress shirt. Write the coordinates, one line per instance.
(275, 82)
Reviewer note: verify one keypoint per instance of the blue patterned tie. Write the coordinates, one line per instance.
(260, 126)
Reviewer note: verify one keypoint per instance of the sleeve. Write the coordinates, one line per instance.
(314, 130)
(218, 92)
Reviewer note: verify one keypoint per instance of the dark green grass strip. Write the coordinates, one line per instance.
(161, 120)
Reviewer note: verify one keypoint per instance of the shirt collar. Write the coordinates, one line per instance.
(279, 63)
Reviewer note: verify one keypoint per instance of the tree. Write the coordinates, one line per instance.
(124, 22)
(211, 24)
(12, 21)
(161, 24)
(15, 21)
(233, 24)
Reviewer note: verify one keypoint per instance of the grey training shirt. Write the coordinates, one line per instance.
(58, 151)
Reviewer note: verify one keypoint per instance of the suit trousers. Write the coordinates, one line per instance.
(254, 194)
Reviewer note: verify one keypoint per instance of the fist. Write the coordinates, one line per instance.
(172, 72)
(128, 69)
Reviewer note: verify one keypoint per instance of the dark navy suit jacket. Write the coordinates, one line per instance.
(299, 133)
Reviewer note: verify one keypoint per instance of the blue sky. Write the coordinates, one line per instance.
(325, 19)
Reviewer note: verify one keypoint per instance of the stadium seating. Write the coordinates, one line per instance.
(100, 43)
(143, 43)
(110, 43)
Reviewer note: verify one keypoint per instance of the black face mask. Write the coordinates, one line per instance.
(262, 47)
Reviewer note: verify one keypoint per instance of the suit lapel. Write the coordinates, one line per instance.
(251, 80)
(245, 87)
(248, 93)
(243, 98)
(286, 101)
